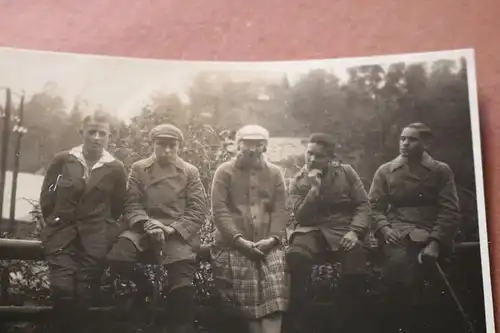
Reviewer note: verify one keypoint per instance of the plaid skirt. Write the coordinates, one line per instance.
(258, 289)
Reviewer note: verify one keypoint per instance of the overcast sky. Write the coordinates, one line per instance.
(123, 85)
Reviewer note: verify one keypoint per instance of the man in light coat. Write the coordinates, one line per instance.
(165, 208)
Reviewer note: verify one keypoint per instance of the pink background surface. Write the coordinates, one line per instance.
(278, 30)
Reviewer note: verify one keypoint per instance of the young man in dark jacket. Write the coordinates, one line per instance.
(81, 200)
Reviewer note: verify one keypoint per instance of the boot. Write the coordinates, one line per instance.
(136, 274)
(182, 310)
(64, 316)
(401, 314)
(296, 319)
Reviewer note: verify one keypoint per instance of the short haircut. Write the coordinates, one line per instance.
(98, 117)
(424, 131)
(325, 140)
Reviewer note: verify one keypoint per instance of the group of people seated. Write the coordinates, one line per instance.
(411, 206)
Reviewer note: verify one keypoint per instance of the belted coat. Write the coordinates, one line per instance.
(427, 203)
(342, 204)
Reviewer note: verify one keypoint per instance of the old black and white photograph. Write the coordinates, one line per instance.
(305, 196)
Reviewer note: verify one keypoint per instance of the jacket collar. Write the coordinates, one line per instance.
(427, 162)
(179, 162)
(261, 164)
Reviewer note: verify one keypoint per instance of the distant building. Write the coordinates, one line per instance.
(28, 193)
(280, 149)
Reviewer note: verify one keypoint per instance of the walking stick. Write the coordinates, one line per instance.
(455, 297)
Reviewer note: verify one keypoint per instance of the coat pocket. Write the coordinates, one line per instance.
(66, 201)
(103, 193)
(105, 187)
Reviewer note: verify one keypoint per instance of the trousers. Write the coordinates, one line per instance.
(181, 294)
(414, 290)
(302, 253)
(74, 278)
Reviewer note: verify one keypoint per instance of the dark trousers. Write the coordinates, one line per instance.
(74, 278)
(414, 291)
(180, 291)
(303, 250)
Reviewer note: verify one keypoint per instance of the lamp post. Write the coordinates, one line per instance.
(5, 146)
(20, 130)
(8, 117)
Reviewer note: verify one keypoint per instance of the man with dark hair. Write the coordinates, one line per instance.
(81, 200)
(165, 208)
(416, 213)
(331, 210)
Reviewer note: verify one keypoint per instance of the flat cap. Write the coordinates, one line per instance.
(166, 131)
(252, 132)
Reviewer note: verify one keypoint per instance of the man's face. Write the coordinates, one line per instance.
(166, 149)
(410, 143)
(317, 156)
(95, 136)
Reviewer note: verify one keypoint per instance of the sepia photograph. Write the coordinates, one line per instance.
(305, 196)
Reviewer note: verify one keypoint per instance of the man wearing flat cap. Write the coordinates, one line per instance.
(165, 207)
(331, 212)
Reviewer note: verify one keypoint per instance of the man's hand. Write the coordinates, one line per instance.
(248, 249)
(168, 230)
(152, 224)
(430, 253)
(349, 241)
(156, 235)
(391, 236)
(266, 245)
(314, 177)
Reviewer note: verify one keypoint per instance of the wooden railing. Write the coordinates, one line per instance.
(32, 250)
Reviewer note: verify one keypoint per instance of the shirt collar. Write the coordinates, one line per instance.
(427, 162)
(105, 158)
